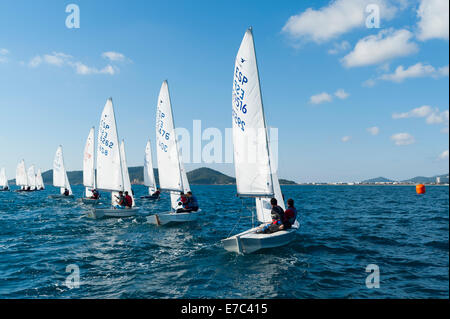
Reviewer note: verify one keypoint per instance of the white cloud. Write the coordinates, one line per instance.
(402, 139)
(444, 155)
(374, 130)
(376, 49)
(339, 47)
(3, 54)
(341, 94)
(320, 98)
(415, 71)
(331, 21)
(113, 56)
(345, 139)
(422, 111)
(61, 59)
(369, 83)
(433, 19)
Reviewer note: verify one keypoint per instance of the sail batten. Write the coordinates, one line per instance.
(250, 141)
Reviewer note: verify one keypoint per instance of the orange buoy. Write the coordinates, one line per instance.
(420, 189)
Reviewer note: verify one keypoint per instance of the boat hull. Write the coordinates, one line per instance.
(171, 217)
(112, 213)
(57, 196)
(89, 201)
(249, 241)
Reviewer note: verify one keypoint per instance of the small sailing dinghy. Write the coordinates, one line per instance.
(149, 175)
(172, 175)
(60, 176)
(39, 181)
(254, 177)
(4, 187)
(89, 170)
(21, 177)
(112, 170)
(31, 178)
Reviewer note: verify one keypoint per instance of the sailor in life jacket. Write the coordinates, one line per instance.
(290, 214)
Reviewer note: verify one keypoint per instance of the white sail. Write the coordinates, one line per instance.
(149, 176)
(88, 164)
(59, 172)
(125, 174)
(3, 179)
(39, 180)
(166, 144)
(21, 175)
(109, 170)
(31, 178)
(251, 153)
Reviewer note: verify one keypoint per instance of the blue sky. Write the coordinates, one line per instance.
(350, 102)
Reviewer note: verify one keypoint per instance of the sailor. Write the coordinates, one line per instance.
(156, 194)
(191, 205)
(95, 194)
(128, 200)
(120, 201)
(277, 215)
(290, 214)
(66, 192)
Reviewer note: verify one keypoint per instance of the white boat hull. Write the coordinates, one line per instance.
(249, 241)
(171, 217)
(56, 196)
(112, 213)
(90, 201)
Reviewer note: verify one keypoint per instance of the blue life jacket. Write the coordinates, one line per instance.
(192, 202)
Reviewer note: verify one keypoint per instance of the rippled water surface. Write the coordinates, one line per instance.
(343, 229)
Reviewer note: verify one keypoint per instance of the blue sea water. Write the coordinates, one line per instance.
(343, 229)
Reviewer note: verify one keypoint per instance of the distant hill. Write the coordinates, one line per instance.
(377, 180)
(423, 179)
(203, 175)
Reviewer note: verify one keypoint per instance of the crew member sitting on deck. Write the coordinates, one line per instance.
(156, 194)
(66, 192)
(95, 194)
(191, 204)
(290, 214)
(120, 201)
(128, 200)
(277, 214)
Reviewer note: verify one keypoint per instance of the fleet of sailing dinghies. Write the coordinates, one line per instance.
(149, 175)
(255, 177)
(172, 175)
(112, 170)
(88, 168)
(28, 180)
(60, 175)
(3, 181)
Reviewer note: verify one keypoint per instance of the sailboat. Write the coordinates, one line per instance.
(112, 170)
(88, 169)
(39, 181)
(172, 175)
(31, 178)
(149, 175)
(21, 177)
(60, 175)
(254, 178)
(4, 187)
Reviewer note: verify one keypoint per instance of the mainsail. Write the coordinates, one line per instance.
(251, 152)
(39, 180)
(59, 172)
(125, 174)
(21, 175)
(109, 169)
(3, 179)
(172, 176)
(88, 164)
(31, 178)
(149, 176)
